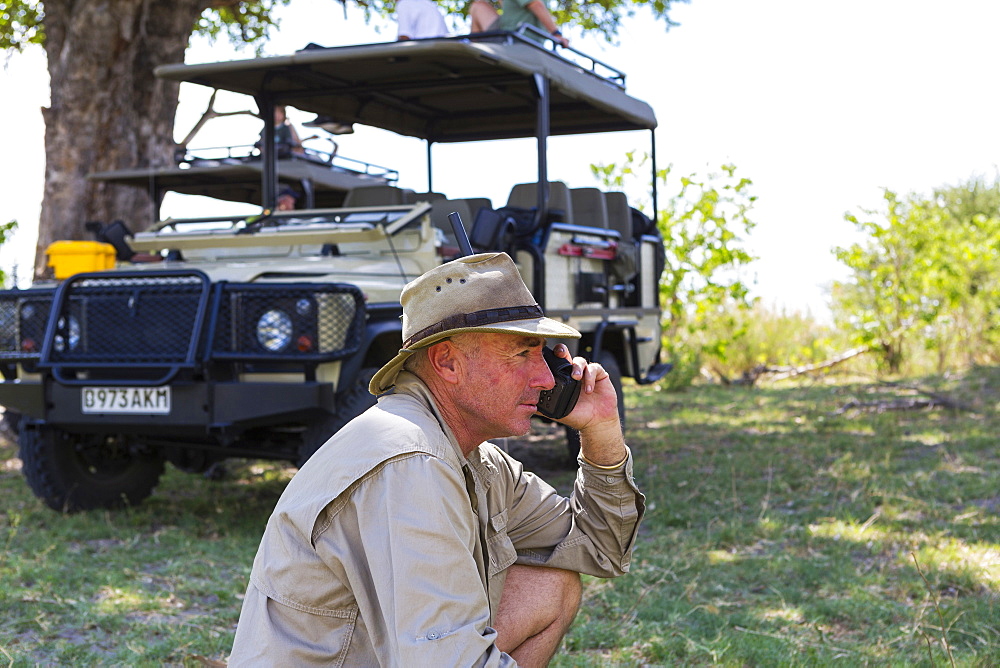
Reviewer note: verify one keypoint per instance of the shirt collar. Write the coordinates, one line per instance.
(409, 384)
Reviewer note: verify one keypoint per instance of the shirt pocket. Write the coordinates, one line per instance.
(498, 544)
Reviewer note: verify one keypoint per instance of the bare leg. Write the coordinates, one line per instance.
(482, 14)
(536, 609)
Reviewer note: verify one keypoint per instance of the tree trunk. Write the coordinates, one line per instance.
(108, 111)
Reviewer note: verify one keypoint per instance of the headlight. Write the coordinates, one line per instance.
(68, 330)
(274, 330)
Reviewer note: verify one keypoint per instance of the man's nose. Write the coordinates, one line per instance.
(542, 377)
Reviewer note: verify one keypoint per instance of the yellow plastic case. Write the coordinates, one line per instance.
(72, 257)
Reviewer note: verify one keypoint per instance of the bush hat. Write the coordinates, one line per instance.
(475, 293)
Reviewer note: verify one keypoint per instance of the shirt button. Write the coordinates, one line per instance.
(610, 478)
(432, 635)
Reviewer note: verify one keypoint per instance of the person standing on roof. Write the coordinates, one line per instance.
(486, 17)
(419, 19)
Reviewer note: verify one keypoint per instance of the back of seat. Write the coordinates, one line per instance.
(412, 197)
(619, 214)
(589, 208)
(626, 263)
(475, 204)
(380, 195)
(525, 196)
(440, 208)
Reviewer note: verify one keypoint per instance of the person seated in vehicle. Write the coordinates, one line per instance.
(286, 139)
(287, 198)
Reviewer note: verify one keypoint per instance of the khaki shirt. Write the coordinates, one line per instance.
(390, 548)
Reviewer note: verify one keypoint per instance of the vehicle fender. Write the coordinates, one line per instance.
(382, 339)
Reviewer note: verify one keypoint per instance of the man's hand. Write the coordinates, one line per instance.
(596, 412)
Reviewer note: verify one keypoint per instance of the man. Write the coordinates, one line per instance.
(407, 540)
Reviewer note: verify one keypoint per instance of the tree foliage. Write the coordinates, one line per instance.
(6, 232)
(926, 276)
(241, 22)
(704, 221)
(21, 24)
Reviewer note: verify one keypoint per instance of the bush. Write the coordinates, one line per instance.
(737, 343)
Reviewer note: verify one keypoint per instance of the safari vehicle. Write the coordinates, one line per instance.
(256, 337)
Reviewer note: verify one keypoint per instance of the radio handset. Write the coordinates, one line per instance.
(559, 402)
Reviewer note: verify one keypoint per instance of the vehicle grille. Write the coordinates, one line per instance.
(24, 315)
(149, 320)
(174, 319)
(288, 321)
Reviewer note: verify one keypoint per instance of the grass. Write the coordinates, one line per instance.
(778, 532)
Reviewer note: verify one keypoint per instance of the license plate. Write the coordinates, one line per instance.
(133, 400)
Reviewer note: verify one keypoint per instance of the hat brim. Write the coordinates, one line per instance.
(385, 377)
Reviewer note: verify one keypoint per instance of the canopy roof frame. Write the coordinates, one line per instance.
(441, 90)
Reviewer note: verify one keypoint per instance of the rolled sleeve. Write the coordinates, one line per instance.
(593, 531)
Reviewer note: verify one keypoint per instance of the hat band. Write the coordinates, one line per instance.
(488, 316)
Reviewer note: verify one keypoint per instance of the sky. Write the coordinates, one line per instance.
(822, 105)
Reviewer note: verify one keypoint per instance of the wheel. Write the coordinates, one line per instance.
(610, 364)
(73, 473)
(351, 403)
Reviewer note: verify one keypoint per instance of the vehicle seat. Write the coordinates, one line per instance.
(440, 208)
(412, 197)
(492, 230)
(475, 204)
(525, 196)
(619, 214)
(589, 208)
(626, 264)
(380, 195)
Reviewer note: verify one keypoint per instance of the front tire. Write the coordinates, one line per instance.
(85, 472)
(351, 403)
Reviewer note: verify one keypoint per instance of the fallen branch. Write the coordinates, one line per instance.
(750, 376)
(897, 405)
(788, 372)
(942, 400)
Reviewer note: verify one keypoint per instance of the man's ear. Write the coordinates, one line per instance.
(443, 358)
